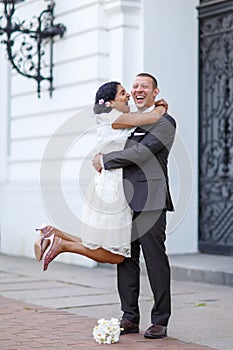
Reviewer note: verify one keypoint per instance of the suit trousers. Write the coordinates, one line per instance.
(148, 233)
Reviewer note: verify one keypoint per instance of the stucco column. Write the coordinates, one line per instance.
(4, 112)
(125, 40)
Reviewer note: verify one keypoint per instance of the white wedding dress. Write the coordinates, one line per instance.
(106, 215)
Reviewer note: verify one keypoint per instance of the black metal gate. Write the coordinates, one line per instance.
(216, 126)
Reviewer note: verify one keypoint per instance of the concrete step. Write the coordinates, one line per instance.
(206, 268)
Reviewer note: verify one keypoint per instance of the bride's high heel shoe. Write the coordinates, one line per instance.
(42, 244)
(52, 253)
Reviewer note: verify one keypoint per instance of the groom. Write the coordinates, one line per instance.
(145, 174)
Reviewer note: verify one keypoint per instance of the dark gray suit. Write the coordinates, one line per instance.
(144, 162)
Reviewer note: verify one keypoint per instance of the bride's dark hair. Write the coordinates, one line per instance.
(105, 93)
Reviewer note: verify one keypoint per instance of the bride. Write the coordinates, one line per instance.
(107, 217)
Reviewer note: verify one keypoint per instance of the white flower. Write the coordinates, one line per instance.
(107, 331)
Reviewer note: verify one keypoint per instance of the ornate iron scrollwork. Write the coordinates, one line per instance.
(30, 43)
(216, 132)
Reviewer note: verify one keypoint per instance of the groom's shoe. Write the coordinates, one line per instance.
(128, 327)
(155, 331)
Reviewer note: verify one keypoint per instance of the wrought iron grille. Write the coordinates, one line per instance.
(29, 44)
(216, 127)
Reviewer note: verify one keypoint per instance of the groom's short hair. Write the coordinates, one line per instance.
(155, 82)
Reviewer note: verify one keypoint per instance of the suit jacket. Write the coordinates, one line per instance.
(144, 162)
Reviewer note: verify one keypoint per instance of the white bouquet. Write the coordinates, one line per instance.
(107, 331)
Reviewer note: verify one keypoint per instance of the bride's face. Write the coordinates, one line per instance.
(121, 100)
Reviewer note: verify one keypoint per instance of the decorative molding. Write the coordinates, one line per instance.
(217, 25)
(122, 13)
(121, 5)
(210, 8)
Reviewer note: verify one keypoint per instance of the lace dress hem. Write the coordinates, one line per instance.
(126, 252)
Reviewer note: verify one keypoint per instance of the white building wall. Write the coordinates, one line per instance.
(5, 85)
(170, 53)
(105, 40)
(79, 59)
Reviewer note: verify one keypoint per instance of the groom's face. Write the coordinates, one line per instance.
(143, 92)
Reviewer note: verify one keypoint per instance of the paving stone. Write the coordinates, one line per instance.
(66, 330)
(92, 293)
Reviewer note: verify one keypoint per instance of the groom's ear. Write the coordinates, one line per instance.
(156, 91)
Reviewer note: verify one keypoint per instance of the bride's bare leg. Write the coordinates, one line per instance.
(63, 246)
(100, 255)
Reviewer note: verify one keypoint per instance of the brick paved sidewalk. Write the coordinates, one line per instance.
(25, 327)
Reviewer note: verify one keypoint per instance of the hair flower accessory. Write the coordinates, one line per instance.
(107, 103)
(107, 331)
